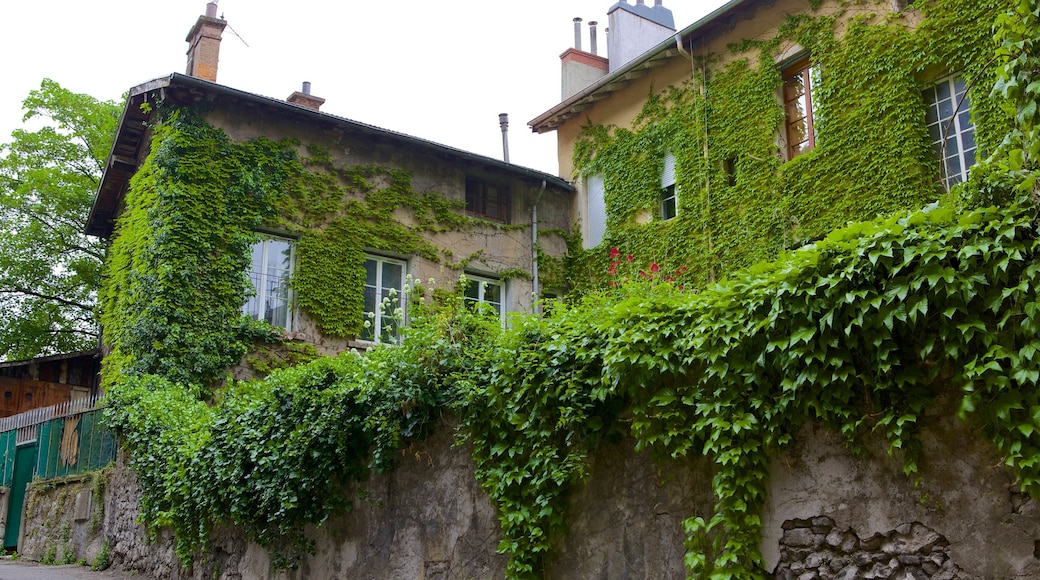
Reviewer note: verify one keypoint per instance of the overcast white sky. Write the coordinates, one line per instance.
(441, 70)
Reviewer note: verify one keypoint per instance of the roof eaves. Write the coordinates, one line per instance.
(70, 355)
(97, 224)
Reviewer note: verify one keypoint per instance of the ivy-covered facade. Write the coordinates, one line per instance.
(773, 123)
(221, 203)
(875, 331)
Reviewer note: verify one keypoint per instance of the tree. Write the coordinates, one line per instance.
(49, 268)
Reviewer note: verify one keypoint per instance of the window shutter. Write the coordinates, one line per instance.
(668, 173)
(597, 210)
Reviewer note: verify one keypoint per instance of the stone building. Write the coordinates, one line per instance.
(492, 236)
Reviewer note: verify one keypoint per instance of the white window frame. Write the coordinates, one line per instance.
(669, 208)
(481, 283)
(951, 118)
(258, 306)
(376, 320)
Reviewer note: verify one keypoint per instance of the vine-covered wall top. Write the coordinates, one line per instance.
(739, 200)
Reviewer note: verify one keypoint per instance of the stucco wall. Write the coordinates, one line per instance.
(486, 249)
(830, 512)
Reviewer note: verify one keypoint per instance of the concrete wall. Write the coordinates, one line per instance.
(831, 513)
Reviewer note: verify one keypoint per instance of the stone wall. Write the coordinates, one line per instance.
(831, 513)
(64, 520)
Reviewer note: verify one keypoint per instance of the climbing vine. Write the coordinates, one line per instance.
(860, 330)
(738, 202)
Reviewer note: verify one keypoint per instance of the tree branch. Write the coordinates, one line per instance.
(50, 298)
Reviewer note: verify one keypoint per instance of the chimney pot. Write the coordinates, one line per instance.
(592, 37)
(640, 2)
(577, 33)
(306, 88)
(211, 10)
(657, 2)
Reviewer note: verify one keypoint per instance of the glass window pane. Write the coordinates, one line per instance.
(794, 87)
(393, 276)
(492, 293)
(968, 141)
(370, 272)
(258, 257)
(472, 291)
(935, 133)
(942, 91)
(278, 254)
(932, 116)
(945, 109)
(958, 86)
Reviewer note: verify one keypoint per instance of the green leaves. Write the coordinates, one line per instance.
(50, 269)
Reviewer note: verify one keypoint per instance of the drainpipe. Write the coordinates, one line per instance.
(536, 305)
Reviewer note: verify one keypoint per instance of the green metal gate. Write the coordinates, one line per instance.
(24, 465)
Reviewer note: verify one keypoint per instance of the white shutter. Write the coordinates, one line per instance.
(668, 173)
(597, 210)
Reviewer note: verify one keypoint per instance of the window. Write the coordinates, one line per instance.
(597, 210)
(485, 293)
(270, 271)
(487, 201)
(950, 128)
(669, 202)
(384, 299)
(799, 80)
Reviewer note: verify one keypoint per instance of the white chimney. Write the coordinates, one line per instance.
(636, 29)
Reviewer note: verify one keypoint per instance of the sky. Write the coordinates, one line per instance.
(439, 70)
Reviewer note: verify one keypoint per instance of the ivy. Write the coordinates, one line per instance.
(860, 330)
(738, 203)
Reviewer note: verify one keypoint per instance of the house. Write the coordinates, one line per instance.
(353, 215)
(768, 123)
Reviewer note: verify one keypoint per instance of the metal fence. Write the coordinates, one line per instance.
(69, 439)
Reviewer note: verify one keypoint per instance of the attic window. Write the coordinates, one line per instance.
(799, 79)
(487, 201)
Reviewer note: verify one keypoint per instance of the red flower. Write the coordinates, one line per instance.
(680, 286)
(669, 279)
(630, 258)
(655, 268)
(681, 270)
(643, 274)
(613, 268)
(614, 253)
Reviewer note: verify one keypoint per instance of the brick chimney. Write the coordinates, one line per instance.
(304, 98)
(204, 44)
